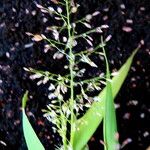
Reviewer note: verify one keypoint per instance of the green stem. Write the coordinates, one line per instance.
(85, 34)
(71, 65)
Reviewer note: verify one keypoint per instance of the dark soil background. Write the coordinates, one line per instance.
(18, 51)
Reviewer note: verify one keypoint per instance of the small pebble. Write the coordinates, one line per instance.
(142, 8)
(27, 11)
(28, 45)
(142, 42)
(2, 25)
(13, 9)
(126, 116)
(133, 102)
(122, 6)
(17, 25)
(7, 54)
(45, 20)
(105, 18)
(106, 9)
(1, 81)
(142, 115)
(33, 12)
(129, 21)
(127, 29)
(146, 134)
(1, 91)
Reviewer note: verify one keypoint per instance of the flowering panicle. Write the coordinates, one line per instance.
(61, 109)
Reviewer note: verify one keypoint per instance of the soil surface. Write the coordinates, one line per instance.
(129, 25)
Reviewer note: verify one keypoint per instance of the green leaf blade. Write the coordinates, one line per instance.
(109, 121)
(32, 141)
(88, 124)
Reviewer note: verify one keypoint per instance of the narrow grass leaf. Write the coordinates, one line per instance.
(109, 120)
(32, 141)
(88, 124)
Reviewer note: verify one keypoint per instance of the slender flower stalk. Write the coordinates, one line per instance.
(71, 65)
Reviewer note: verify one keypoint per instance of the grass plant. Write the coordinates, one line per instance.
(64, 111)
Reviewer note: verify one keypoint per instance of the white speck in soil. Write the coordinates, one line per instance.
(122, 13)
(132, 102)
(127, 29)
(101, 58)
(106, 9)
(142, 115)
(142, 8)
(133, 79)
(120, 55)
(129, 21)
(112, 62)
(1, 91)
(148, 51)
(27, 11)
(12, 49)
(133, 69)
(14, 10)
(142, 42)
(146, 134)
(33, 12)
(143, 70)
(9, 114)
(2, 25)
(147, 84)
(28, 45)
(105, 18)
(31, 97)
(45, 20)
(17, 25)
(16, 122)
(1, 82)
(17, 44)
(122, 6)
(7, 54)
(126, 116)
(30, 114)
